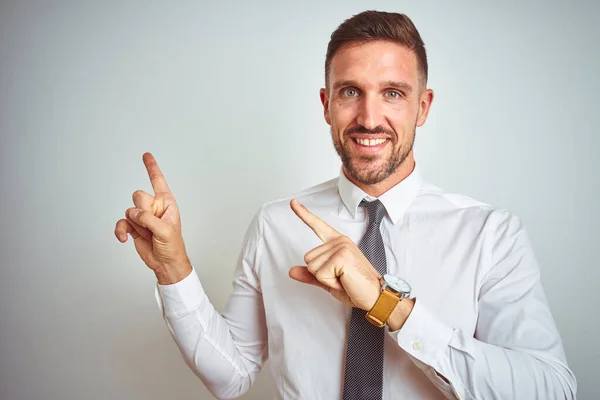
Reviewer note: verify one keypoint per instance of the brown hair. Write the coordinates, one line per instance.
(378, 25)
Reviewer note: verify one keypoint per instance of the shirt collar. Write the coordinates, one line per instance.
(396, 200)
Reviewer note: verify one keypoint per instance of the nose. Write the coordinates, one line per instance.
(370, 113)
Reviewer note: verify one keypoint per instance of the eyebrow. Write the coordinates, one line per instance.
(399, 85)
(394, 84)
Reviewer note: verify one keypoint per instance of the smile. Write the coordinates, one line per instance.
(370, 142)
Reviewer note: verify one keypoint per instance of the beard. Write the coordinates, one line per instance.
(375, 171)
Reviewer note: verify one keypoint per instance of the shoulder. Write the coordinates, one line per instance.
(472, 211)
(319, 194)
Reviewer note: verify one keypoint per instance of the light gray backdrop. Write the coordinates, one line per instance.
(225, 94)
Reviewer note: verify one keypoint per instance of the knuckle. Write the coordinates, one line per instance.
(322, 273)
(137, 195)
(345, 239)
(307, 258)
(169, 234)
(142, 199)
(343, 252)
(142, 217)
(340, 241)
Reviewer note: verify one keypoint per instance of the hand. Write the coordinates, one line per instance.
(337, 266)
(155, 226)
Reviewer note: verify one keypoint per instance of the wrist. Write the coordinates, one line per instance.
(400, 314)
(384, 310)
(172, 274)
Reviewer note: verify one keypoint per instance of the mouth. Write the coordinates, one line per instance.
(369, 146)
(370, 142)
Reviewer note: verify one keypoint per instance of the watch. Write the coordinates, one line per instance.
(393, 290)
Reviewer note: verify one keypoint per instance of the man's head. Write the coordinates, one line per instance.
(375, 93)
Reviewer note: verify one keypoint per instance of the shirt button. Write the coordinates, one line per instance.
(417, 346)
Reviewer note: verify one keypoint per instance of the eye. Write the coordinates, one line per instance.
(393, 94)
(349, 92)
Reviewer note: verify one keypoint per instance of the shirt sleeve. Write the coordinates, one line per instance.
(515, 352)
(225, 350)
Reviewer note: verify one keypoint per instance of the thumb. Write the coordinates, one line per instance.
(146, 219)
(302, 274)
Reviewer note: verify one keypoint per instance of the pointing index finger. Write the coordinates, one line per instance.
(319, 227)
(157, 179)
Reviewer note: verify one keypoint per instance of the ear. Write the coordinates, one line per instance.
(424, 106)
(325, 102)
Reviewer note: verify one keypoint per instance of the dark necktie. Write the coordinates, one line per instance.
(363, 378)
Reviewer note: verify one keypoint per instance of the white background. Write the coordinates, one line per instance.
(225, 94)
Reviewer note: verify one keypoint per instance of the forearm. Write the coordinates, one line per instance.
(480, 370)
(205, 339)
(493, 372)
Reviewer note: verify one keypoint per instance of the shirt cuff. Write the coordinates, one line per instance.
(424, 336)
(182, 298)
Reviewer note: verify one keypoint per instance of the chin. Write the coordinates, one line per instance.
(368, 174)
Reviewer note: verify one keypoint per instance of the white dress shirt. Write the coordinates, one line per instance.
(480, 317)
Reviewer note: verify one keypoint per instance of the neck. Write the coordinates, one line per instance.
(377, 189)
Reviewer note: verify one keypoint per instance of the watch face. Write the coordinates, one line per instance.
(398, 284)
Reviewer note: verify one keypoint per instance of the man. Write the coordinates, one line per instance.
(389, 287)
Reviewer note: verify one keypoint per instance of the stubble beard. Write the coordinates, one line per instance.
(374, 173)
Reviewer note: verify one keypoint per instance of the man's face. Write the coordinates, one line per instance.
(374, 102)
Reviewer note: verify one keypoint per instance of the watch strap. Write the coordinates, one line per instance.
(383, 308)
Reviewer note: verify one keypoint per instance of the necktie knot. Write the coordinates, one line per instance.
(375, 210)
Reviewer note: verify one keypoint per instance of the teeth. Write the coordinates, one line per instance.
(370, 142)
